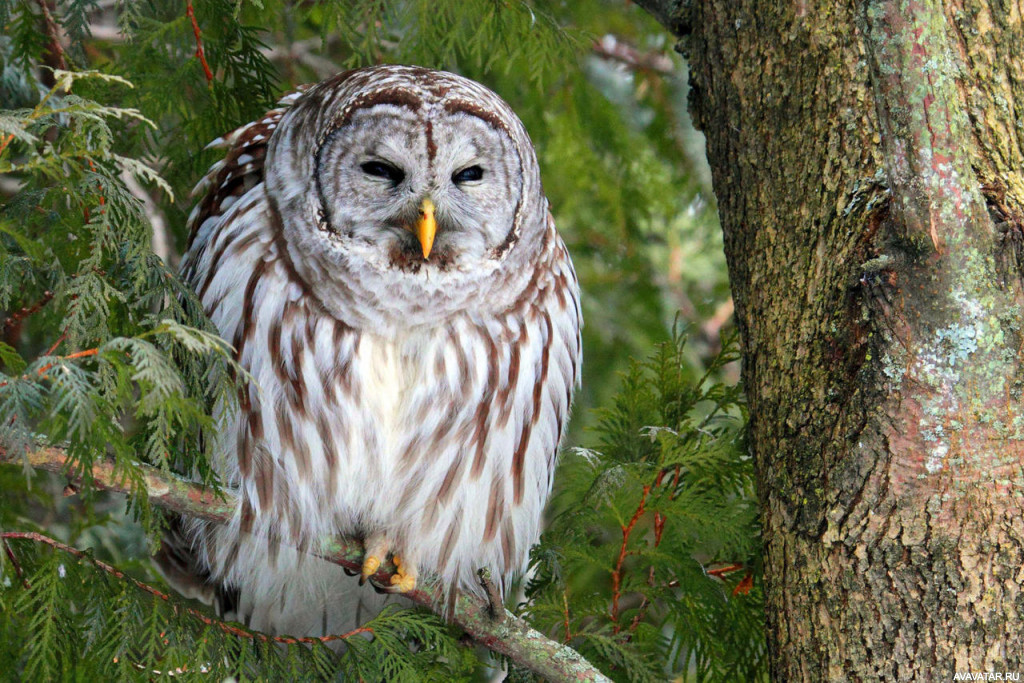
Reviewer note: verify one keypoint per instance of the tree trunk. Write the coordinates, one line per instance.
(869, 170)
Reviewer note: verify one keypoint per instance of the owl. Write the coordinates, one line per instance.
(380, 253)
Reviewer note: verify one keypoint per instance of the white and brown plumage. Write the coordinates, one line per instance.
(380, 253)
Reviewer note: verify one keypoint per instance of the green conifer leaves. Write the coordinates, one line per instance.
(128, 369)
(647, 566)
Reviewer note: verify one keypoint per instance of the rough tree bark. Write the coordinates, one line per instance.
(868, 160)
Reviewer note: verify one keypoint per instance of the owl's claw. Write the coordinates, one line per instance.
(377, 547)
(404, 579)
(370, 566)
(376, 550)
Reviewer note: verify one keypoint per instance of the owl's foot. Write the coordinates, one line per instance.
(404, 579)
(376, 551)
(377, 547)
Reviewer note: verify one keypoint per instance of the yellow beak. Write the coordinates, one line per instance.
(426, 227)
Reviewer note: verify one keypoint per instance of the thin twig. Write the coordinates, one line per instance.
(18, 316)
(4, 141)
(493, 596)
(200, 53)
(85, 353)
(614, 48)
(640, 613)
(57, 343)
(209, 621)
(17, 565)
(565, 606)
(722, 571)
(71, 356)
(627, 529)
(659, 529)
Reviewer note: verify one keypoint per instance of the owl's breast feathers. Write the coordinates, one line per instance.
(443, 436)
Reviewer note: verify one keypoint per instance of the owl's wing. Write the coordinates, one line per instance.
(229, 179)
(230, 264)
(180, 566)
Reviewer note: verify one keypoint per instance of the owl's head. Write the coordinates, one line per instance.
(422, 179)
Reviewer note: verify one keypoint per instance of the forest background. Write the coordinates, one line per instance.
(649, 564)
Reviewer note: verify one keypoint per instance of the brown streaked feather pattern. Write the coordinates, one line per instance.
(229, 179)
(425, 401)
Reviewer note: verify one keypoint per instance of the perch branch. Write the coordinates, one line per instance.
(510, 636)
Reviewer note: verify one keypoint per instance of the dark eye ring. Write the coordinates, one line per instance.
(380, 169)
(468, 174)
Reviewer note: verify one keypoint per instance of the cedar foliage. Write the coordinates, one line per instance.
(104, 353)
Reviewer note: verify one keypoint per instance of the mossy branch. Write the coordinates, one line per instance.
(507, 635)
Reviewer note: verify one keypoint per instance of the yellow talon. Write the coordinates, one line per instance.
(404, 581)
(370, 566)
(376, 551)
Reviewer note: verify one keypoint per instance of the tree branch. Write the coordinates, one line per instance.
(611, 47)
(925, 133)
(56, 51)
(507, 635)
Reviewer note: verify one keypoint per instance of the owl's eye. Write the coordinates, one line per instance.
(379, 169)
(468, 174)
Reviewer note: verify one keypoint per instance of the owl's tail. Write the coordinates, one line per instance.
(314, 598)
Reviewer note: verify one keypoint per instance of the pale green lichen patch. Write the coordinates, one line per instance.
(954, 370)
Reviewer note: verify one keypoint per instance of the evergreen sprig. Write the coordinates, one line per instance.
(86, 619)
(143, 366)
(650, 565)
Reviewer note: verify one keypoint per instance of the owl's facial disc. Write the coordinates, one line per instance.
(405, 187)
